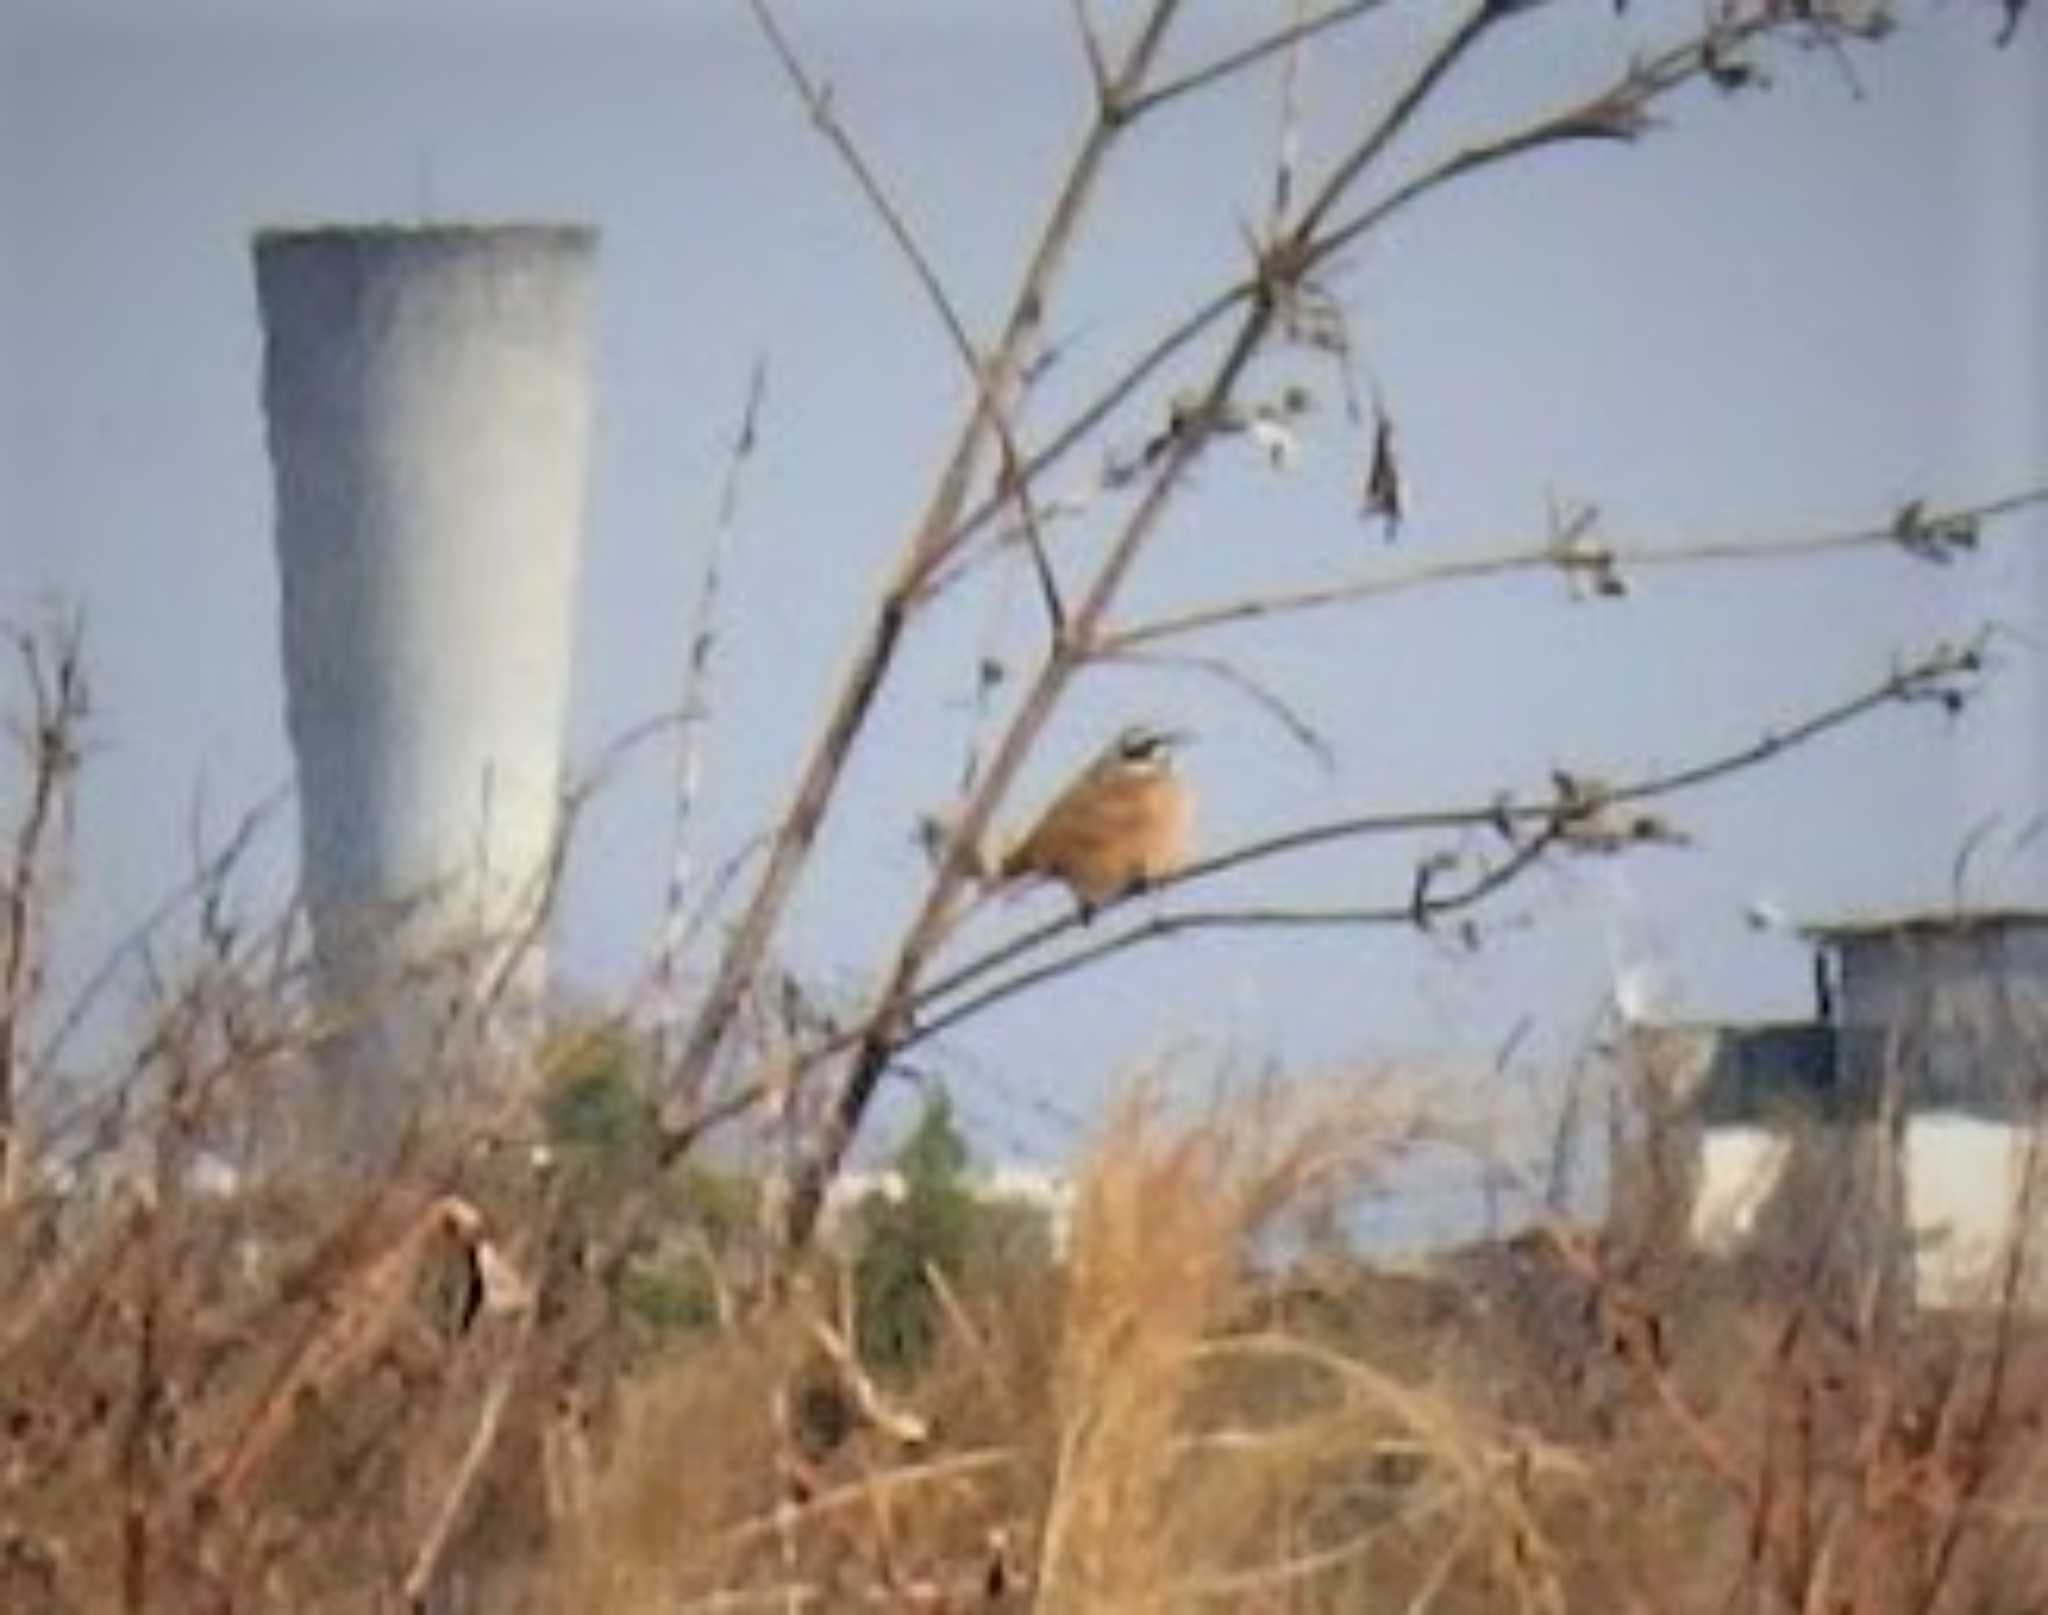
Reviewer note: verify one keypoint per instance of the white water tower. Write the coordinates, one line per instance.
(427, 396)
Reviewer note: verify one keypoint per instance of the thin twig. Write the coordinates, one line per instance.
(882, 1025)
(926, 547)
(1926, 676)
(940, 536)
(536, 906)
(1251, 55)
(1305, 734)
(1158, 927)
(211, 871)
(902, 1477)
(1543, 558)
(1361, 157)
(1280, 272)
(817, 100)
(696, 703)
(1595, 117)
(1091, 49)
(1287, 156)
(1083, 425)
(59, 704)
(1010, 475)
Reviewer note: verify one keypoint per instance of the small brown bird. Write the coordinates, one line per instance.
(1127, 821)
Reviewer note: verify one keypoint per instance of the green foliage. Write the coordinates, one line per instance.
(599, 1119)
(901, 1242)
(708, 1215)
(723, 1205)
(670, 1298)
(935, 1155)
(594, 1102)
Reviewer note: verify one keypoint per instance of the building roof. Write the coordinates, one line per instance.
(1924, 923)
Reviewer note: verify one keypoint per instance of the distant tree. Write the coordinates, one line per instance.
(902, 1242)
(595, 1101)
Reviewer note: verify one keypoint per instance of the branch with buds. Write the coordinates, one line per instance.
(1581, 815)
(1281, 300)
(1584, 815)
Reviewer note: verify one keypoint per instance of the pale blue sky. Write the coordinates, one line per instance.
(1785, 312)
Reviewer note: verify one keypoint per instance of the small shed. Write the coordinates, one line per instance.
(1943, 1011)
(1902, 1124)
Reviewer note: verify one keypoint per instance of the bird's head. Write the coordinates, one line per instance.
(1141, 746)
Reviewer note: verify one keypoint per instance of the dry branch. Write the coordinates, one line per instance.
(928, 929)
(992, 403)
(925, 547)
(1276, 706)
(1402, 579)
(1295, 33)
(1619, 110)
(54, 669)
(932, 553)
(695, 708)
(1936, 676)
(427, 1562)
(356, 1322)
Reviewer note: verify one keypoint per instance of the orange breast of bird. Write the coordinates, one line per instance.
(1105, 836)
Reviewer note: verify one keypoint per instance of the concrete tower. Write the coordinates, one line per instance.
(428, 405)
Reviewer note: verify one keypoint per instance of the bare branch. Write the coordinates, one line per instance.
(881, 1027)
(695, 710)
(207, 876)
(53, 666)
(1084, 423)
(1446, 56)
(1012, 476)
(1930, 677)
(1614, 112)
(1298, 728)
(1011, 480)
(1250, 55)
(1091, 48)
(1933, 677)
(927, 545)
(1281, 270)
(1287, 152)
(1418, 910)
(1620, 111)
(1544, 557)
(817, 100)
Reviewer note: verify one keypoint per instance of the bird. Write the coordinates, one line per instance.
(1126, 821)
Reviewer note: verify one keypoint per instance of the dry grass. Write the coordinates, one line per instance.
(1166, 1422)
(284, 1401)
(435, 1392)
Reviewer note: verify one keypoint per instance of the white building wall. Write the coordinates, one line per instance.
(1964, 1178)
(1964, 1185)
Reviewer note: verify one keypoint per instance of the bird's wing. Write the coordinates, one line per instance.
(1058, 825)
